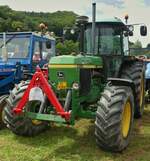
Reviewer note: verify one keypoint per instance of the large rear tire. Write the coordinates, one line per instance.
(136, 72)
(20, 124)
(114, 118)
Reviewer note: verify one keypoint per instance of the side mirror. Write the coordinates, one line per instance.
(143, 30)
(48, 45)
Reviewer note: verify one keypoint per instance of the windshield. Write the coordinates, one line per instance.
(108, 40)
(17, 46)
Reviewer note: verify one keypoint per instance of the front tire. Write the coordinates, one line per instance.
(2, 105)
(114, 118)
(20, 124)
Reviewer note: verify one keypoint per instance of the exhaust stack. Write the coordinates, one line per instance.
(93, 26)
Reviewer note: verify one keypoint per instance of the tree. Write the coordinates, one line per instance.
(137, 44)
(136, 48)
(131, 44)
(68, 47)
(10, 20)
(17, 24)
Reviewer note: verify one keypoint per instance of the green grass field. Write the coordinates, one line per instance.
(76, 143)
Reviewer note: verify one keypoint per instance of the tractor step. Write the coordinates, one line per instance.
(45, 117)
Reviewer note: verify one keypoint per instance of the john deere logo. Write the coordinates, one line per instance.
(60, 74)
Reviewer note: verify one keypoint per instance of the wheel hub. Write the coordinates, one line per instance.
(36, 122)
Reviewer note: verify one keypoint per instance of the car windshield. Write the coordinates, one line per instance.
(17, 46)
(108, 40)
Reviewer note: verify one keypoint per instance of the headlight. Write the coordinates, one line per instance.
(75, 86)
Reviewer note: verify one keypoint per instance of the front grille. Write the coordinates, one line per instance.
(85, 81)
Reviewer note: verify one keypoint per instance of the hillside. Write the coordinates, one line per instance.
(10, 20)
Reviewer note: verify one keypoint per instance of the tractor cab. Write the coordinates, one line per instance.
(109, 38)
(110, 43)
(25, 48)
(20, 53)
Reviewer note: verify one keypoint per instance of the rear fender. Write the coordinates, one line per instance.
(123, 82)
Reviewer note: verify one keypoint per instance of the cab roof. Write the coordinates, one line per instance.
(113, 21)
(28, 34)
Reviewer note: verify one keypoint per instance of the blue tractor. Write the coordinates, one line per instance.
(20, 53)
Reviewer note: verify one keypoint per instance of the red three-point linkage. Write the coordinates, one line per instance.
(39, 79)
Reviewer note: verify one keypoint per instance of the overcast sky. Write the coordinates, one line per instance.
(138, 10)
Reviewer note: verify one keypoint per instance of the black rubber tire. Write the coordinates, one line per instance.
(19, 124)
(2, 105)
(108, 124)
(136, 72)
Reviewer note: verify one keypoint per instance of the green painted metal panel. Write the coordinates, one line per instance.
(45, 117)
(78, 60)
(70, 75)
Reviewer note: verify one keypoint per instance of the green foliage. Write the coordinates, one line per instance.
(68, 47)
(17, 24)
(136, 48)
(137, 44)
(131, 44)
(10, 20)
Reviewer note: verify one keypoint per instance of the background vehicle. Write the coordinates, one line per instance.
(102, 82)
(20, 53)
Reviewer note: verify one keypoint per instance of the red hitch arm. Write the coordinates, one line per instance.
(40, 80)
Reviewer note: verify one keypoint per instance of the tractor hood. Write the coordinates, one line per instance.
(75, 60)
(65, 70)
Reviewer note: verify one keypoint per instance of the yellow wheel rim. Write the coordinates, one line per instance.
(36, 122)
(141, 94)
(126, 119)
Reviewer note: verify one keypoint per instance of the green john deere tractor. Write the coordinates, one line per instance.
(102, 83)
